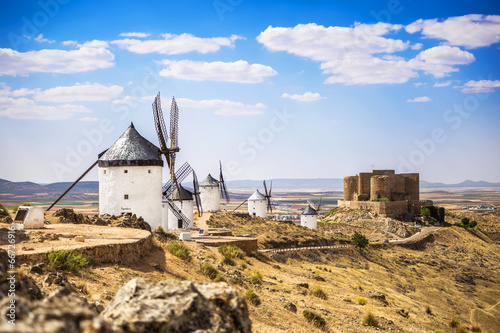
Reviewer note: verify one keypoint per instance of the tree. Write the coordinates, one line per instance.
(425, 211)
(440, 214)
(359, 240)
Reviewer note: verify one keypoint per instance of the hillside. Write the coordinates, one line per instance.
(453, 278)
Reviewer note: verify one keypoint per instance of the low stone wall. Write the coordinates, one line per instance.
(125, 253)
(247, 245)
(387, 209)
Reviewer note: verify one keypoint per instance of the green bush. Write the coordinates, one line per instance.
(3, 210)
(209, 270)
(256, 276)
(361, 301)
(435, 213)
(15, 208)
(252, 297)
(381, 199)
(314, 318)
(231, 251)
(359, 240)
(66, 260)
(318, 292)
(257, 255)
(466, 223)
(178, 249)
(228, 261)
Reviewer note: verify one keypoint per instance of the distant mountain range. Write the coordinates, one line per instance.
(90, 189)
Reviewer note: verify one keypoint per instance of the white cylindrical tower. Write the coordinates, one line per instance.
(130, 178)
(209, 194)
(185, 206)
(257, 205)
(309, 218)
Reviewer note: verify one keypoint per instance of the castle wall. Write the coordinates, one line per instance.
(412, 186)
(364, 186)
(381, 186)
(383, 172)
(350, 187)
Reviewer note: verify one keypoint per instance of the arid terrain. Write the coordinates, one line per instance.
(451, 279)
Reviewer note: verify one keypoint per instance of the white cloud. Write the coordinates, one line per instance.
(223, 107)
(306, 97)
(134, 34)
(441, 84)
(89, 119)
(322, 43)
(482, 86)
(176, 44)
(24, 108)
(80, 92)
(471, 31)
(419, 99)
(361, 54)
(238, 71)
(126, 100)
(367, 70)
(69, 42)
(84, 59)
(40, 39)
(95, 44)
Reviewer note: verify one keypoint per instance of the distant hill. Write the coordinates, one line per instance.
(467, 183)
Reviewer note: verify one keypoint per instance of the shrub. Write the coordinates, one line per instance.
(26, 204)
(15, 208)
(231, 251)
(178, 249)
(361, 301)
(428, 309)
(475, 328)
(466, 223)
(314, 318)
(380, 199)
(66, 260)
(257, 255)
(160, 229)
(359, 240)
(3, 210)
(276, 266)
(370, 319)
(454, 323)
(319, 293)
(252, 297)
(220, 278)
(256, 276)
(209, 270)
(228, 261)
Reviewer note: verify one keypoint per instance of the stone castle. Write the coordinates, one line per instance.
(384, 192)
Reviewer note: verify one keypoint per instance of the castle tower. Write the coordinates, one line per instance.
(309, 218)
(209, 194)
(185, 206)
(130, 178)
(257, 205)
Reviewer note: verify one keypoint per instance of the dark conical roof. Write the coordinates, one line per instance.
(209, 181)
(185, 194)
(131, 149)
(309, 211)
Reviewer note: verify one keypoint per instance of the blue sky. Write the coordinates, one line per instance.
(282, 89)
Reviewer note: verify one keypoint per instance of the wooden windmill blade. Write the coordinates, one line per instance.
(160, 127)
(268, 197)
(241, 204)
(310, 203)
(180, 175)
(222, 185)
(174, 141)
(196, 193)
(319, 204)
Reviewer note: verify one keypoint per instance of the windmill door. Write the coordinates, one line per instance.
(179, 223)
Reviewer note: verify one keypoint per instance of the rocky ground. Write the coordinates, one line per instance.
(452, 280)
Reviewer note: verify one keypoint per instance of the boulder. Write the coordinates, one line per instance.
(68, 215)
(24, 285)
(177, 306)
(62, 311)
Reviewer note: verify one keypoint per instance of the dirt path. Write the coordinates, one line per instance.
(201, 222)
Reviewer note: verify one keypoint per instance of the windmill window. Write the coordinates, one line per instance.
(125, 197)
(104, 171)
(125, 171)
(149, 171)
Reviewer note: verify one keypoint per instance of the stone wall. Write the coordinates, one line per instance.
(125, 253)
(387, 209)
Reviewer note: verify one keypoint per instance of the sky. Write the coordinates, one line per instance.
(273, 89)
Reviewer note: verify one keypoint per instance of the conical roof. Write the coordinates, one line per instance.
(131, 149)
(309, 211)
(185, 194)
(209, 181)
(257, 196)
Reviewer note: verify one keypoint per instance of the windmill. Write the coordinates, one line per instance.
(222, 185)
(268, 196)
(170, 151)
(317, 207)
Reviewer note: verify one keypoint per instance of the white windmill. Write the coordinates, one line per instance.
(211, 191)
(259, 204)
(309, 217)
